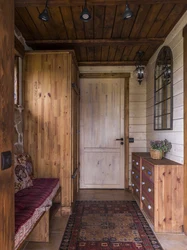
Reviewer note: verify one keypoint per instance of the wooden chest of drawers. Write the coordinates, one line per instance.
(160, 191)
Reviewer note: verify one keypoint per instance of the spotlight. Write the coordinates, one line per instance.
(85, 14)
(44, 16)
(128, 13)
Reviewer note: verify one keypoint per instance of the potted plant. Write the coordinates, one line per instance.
(159, 148)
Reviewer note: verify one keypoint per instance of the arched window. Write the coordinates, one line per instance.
(163, 90)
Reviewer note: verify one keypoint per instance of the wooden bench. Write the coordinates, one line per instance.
(32, 207)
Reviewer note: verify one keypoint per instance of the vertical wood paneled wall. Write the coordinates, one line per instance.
(47, 116)
(137, 107)
(6, 123)
(185, 128)
(176, 136)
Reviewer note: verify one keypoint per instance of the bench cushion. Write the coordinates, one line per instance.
(31, 203)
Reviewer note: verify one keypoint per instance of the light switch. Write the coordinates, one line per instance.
(6, 160)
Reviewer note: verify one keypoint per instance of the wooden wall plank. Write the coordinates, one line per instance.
(7, 123)
(185, 128)
(126, 132)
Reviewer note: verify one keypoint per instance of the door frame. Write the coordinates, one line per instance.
(185, 127)
(126, 77)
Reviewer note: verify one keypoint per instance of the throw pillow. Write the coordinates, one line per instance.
(22, 179)
(25, 160)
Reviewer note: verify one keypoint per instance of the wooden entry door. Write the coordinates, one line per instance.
(101, 123)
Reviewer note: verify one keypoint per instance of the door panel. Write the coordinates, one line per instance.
(102, 122)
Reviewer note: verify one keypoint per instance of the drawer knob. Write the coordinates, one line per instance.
(143, 198)
(149, 190)
(143, 167)
(132, 185)
(137, 176)
(149, 172)
(132, 172)
(149, 207)
(143, 182)
(137, 163)
(133, 160)
(137, 190)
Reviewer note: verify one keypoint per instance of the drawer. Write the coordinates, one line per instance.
(148, 171)
(136, 191)
(148, 190)
(148, 208)
(136, 161)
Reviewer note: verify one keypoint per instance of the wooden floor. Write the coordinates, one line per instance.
(168, 241)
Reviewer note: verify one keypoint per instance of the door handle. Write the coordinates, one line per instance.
(121, 139)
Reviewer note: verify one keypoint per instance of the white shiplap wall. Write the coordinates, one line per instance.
(137, 107)
(175, 42)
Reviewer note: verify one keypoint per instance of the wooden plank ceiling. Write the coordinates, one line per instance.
(106, 39)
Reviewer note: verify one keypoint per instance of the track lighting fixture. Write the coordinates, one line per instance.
(85, 14)
(128, 13)
(140, 69)
(44, 16)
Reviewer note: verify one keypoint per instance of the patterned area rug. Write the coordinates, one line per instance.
(108, 225)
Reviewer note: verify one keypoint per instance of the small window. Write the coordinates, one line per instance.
(163, 90)
(17, 80)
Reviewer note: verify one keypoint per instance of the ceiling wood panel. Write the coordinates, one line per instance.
(89, 32)
(110, 13)
(58, 22)
(68, 22)
(172, 19)
(50, 26)
(126, 53)
(106, 38)
(139, 21)
(150, 18)
(23, 3)
(99, 14)
(27, 19)
(41, 27)
(119, 52)
(119, 22)
(91, 53)
(104, 54)
(128, 24)
(159, 21)
(83, 53)
(22, 26)
(78, 24)
(112, 53)
(132, 56)
(98, 52)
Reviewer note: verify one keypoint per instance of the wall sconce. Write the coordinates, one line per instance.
(85, 14)
(128, 13)
(44, 16)
(140, 69)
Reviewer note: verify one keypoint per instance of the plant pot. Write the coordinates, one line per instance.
(156, 154)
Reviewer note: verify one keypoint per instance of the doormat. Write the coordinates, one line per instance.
(108, 225)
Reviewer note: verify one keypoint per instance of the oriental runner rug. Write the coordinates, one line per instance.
(108, 225)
